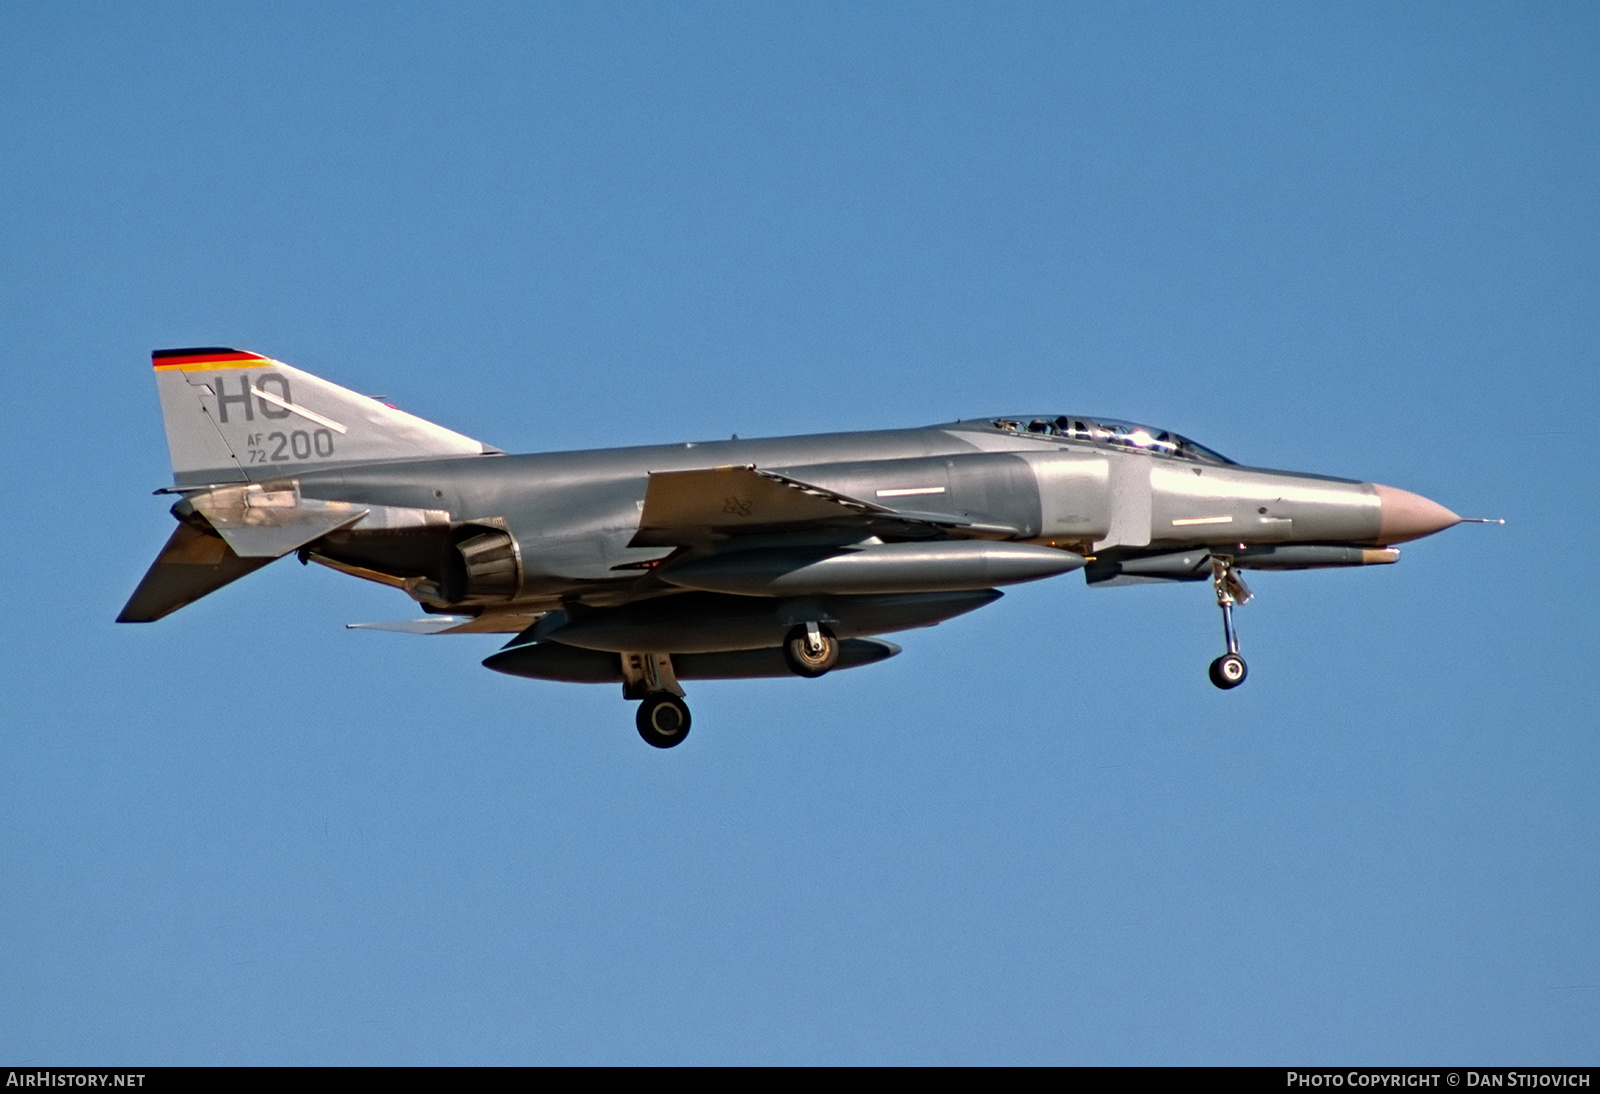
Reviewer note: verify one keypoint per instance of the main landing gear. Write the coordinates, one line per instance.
(810, 650)
(1229, 670)
(663, 718)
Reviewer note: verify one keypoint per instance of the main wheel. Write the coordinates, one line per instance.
(803, 659)
(1228, 671)
(663, 719)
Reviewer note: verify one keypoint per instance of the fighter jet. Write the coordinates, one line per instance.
(649, 566)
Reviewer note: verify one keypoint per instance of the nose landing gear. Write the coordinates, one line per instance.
(1229, 670)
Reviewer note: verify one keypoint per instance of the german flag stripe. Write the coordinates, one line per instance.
(204, 357)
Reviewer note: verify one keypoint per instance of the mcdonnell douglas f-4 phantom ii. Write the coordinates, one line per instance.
(718, 560)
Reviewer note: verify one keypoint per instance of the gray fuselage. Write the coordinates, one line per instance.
(572, 515)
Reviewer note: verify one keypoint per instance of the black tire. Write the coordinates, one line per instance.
(663, 719)
(1229, 671)
(802, 661)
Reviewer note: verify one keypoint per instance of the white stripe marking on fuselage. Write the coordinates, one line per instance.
(907, 492)
(1201, 520)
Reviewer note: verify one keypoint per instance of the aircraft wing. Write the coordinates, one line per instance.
(692, 508)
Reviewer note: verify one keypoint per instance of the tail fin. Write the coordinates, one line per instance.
(238, 417)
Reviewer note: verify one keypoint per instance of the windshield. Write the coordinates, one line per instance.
(1113, 432)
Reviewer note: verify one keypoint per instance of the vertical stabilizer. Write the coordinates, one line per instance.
(236, 417)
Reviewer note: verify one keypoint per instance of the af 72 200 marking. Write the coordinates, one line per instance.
(277, 447)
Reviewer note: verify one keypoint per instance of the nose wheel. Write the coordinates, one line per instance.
(1229, 670)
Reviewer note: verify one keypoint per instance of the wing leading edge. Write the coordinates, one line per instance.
(695, 508)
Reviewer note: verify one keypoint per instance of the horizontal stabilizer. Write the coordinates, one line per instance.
(193, 563)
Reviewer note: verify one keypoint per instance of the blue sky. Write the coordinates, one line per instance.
(1353, 239)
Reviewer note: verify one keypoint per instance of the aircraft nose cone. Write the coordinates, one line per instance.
(1409, 516)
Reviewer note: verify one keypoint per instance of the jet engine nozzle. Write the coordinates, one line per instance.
(484, 567)
(1405, 516)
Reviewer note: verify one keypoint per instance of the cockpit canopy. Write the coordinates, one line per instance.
(1110, 431)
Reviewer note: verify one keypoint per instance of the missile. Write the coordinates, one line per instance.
(1195, 564)
(1312, 556)
(943, 566)
(711, 622)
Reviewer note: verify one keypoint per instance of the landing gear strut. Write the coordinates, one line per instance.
(663, 718)
(810, 650)
(1229, 670)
